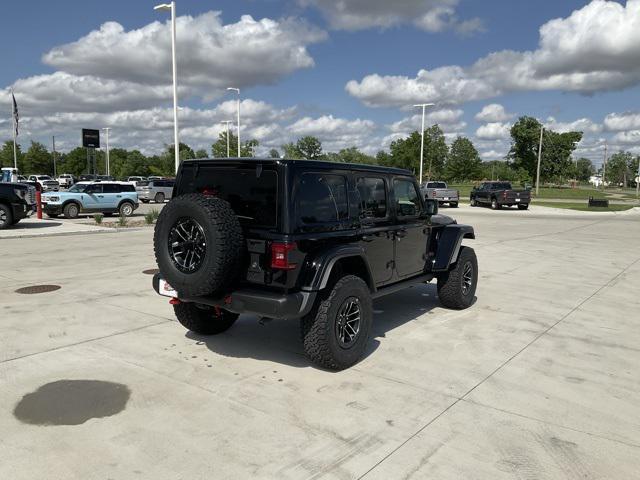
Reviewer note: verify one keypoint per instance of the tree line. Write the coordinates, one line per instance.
(458, 162)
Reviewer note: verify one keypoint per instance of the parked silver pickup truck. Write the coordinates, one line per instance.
(440, 192)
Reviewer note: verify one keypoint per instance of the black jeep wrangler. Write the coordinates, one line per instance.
(301, 239)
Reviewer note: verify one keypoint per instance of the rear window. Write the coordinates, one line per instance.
(321, 198)
(436, 185)
(252, 192)
(373, 197)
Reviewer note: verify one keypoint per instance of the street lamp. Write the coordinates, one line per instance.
(227, 122)
(424, 106)
(237, 90)
(106, 131)
(172, 8)
(539, 160)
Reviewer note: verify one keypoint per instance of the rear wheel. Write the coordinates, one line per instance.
(204, 319)
(457, 287)
(453, 204)
(71, 210)
(523, 206)
(159, 198)
(494, 204)
(126, 209)
(473, 202)
(336, 332)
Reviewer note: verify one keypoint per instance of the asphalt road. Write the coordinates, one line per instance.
(539, 379)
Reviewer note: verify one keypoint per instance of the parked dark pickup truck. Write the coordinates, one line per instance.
(498, 195)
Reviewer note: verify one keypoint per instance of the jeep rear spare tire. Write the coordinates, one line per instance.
(198, 245)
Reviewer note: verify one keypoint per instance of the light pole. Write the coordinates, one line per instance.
(227, 122)
(237, 90)
(539, 159)
(53, 141)
(604, 167)
(172, 7)
(424, 106)
(106, 131)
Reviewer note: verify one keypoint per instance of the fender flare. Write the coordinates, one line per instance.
(325, 262)
(449, 243)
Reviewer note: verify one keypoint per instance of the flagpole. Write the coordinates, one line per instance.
(13, 117)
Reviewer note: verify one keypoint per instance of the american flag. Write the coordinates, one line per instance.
(16, 116)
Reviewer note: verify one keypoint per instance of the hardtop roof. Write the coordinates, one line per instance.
(305, 163)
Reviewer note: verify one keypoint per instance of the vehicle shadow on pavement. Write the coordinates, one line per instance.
(34, 225)
(279, 340)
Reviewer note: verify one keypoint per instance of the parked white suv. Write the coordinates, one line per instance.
(65, 180)
(47, 184)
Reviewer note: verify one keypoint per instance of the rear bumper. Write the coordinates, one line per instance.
(257, 302)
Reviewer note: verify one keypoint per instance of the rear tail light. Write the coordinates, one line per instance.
(433, 194)
(280, 255)
(504, 194)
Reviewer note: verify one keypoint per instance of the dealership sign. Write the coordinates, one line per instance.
(90, 138)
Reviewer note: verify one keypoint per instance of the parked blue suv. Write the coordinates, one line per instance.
(91, 197)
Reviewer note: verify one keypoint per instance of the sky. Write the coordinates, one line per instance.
(345, 71)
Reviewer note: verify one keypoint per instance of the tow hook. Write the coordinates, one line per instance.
(175, 301)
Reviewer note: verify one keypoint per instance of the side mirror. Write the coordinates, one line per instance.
(431, 206)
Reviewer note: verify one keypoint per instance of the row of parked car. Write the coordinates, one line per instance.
(105, 196)
(494, 194)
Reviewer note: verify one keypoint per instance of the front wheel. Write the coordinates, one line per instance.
(159, 197)
(494, 204)
(336, 332)
(71, 210)
(473, 202)
(457, 287)
(204, 319)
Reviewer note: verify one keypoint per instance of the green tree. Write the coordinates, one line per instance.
(463, 162)
(557, 148)
(38, 160)
(291, 152)
(201, 153)
(353, 155)
(309, 147)
(273, 153)
(6, 156)
(219, 148)
(405, 152)
(618, 168)
(584, 169)
(501, 170)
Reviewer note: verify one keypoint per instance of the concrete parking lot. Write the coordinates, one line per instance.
(539, 379)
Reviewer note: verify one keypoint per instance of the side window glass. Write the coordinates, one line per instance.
(373, 197)
(322, 198)
(407, 198)
(110, 188)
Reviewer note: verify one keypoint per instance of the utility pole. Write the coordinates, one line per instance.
(237, 90)
(15, 131)
(604, 166)
(539, 160)
(107, 167)
(227, 122)
(638, 179)
(423, 106)
(53, 139)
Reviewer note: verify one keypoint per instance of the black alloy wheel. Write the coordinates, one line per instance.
(187, 245)
(348, 322)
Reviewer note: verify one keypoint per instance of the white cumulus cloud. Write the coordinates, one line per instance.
(494, 112)
(596, 48)
(494, 131)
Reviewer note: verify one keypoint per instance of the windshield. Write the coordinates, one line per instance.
(78, 188)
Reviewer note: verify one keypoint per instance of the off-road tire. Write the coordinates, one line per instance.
(450, 284)
(495, 205)
(71, 210)
(123, 209)
(523, 206)
(319, 334)
(6, 215)
(203, 319)
(15, 221)
(473, 202)
(225, 250)
(159, 198)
